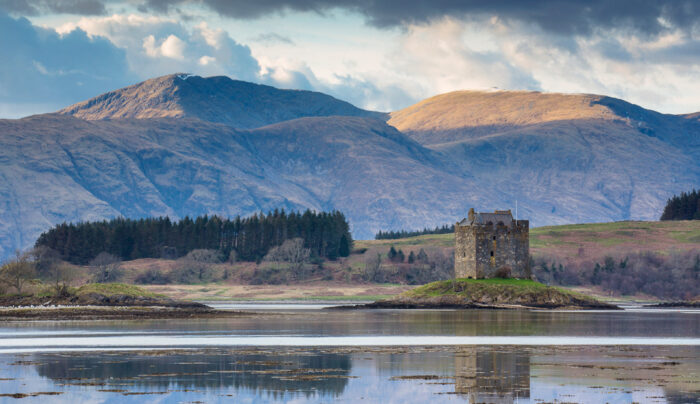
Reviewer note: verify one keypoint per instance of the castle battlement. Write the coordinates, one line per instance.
(489, 245)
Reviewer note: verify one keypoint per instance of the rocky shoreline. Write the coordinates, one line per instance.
(694, 304)
(452, 304)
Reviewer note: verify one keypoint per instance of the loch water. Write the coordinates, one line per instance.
(310, 354)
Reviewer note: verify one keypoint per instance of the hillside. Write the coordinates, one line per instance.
(214, 99)
(565, 158)
(59, 168)
(463, 115)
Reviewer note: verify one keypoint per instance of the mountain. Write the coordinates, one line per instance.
(60, 168)
(214, 99)
(565, 158)
(185, 145)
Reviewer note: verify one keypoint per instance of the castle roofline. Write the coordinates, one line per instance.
(484, 218)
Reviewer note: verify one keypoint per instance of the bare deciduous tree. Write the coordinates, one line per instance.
(18, 271)
(292, 252)
(373, 264)
(106, 268)
(205, 256)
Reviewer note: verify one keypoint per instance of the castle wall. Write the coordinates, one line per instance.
(465, 256)
(482, 251)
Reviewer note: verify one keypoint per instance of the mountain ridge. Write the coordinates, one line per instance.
(217, 99)
(136, 152)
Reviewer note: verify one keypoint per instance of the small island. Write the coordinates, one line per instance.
(494, 293)
(100, 301)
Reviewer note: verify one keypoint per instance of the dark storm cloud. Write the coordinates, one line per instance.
(564, 17)
(38, 7)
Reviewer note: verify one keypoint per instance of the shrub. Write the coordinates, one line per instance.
(503, 272)
(270, 276)
(152, 277)
(205, 256)
(106, 268)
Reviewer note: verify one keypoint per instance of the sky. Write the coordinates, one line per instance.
(377, 54)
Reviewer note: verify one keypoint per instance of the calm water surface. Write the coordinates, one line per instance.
(306, 354)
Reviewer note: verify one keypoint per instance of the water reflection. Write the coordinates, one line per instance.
(661, 323)
(479, 374)
(404, 370)
(492, 376)
(290, 371)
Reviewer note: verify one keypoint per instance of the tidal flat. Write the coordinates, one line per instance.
(309, 355)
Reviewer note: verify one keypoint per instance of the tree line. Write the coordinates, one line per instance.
(325, 234)
(393, 235)
(685, 206)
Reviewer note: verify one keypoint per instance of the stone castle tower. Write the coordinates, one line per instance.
(492, 244)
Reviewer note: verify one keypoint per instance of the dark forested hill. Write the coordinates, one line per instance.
(325, 234)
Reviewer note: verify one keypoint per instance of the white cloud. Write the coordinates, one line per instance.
(656, 72)
(205, 60)
(157, 45)
(172, 47)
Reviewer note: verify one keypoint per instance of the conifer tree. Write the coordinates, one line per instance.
(392, 254)
(411, 258)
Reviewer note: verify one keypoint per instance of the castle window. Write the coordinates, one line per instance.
(492, 253)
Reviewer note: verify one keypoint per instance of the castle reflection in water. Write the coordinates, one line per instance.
(492, 376)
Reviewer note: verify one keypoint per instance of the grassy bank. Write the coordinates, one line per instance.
(114, 289)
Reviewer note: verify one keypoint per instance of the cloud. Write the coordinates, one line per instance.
(39, 7)
(570, 17)
(452, 55)
(42, 69)
(171, 47)
(156, 46)
(360, 91)
(656, 72)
